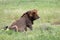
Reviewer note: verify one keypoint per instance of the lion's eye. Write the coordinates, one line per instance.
(33, 12)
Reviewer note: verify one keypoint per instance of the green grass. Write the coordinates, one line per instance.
(48, 10)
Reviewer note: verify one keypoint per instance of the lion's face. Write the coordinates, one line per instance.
(33, 14)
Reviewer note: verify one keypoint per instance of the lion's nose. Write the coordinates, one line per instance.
(38, 17)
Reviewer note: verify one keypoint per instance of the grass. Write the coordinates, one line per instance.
(36, 34)
(48, 10)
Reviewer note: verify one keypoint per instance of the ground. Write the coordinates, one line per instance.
(45, 28)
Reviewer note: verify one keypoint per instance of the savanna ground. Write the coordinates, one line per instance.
(45, 28)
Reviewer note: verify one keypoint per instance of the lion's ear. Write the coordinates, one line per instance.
(34, 11)
(29, 13)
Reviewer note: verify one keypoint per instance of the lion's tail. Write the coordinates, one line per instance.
(6, 27)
